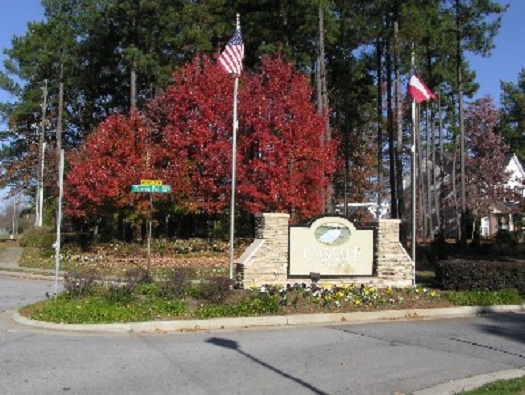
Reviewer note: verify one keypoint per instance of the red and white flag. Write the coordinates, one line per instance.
(231, 58)
(418, 91)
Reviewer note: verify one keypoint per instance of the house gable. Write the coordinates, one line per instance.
(514, 169)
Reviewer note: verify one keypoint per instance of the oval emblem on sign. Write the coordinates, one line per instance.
(333, 233)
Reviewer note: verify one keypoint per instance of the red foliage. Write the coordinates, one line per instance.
(198, 119)
(485, 165)
(114, 157)
(185, 140)
(285, 162)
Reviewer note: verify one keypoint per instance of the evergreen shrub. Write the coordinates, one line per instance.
(479, 275)
(38, 237)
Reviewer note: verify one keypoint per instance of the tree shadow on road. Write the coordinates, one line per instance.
(507, 325)
(234, 346)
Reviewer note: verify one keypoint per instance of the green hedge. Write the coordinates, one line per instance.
(477, 275)
(42, 237)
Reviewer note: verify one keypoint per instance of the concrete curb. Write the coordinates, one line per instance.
(30, 275)
(271, 321)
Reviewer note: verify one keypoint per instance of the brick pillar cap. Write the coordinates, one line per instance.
(273, 215)
(387, 221)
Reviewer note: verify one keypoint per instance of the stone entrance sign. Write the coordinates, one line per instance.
(331, 246)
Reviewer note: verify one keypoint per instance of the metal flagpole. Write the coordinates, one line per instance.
(413, 182)
(234, 166)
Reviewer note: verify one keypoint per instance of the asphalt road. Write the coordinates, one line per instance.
(386, 358)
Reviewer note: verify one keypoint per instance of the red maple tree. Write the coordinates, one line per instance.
(485, 168)
(184, 138)
(286, 163)
(117, 154)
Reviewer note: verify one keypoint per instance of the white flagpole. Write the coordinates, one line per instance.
(413, 182)
(234, 166)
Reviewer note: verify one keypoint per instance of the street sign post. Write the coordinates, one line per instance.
(151, 187)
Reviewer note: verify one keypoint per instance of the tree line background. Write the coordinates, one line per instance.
(105, 80)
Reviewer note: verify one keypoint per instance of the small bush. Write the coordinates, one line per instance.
(81, 282)
(119, 292)
(505, 237)
(178, 284)
(216, 290)
(137, 276)
(147, 289)
(122, 290)
(41, 237)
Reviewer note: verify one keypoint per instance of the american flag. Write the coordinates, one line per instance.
(231, 58)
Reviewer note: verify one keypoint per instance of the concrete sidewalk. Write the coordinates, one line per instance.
(9, 266)
(10, 257)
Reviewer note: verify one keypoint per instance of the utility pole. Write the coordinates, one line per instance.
(41, 153)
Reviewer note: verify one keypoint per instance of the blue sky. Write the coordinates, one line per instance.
(507, 59)
(505, 63)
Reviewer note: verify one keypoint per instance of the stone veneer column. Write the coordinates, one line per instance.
(266, 260)
(393, 264)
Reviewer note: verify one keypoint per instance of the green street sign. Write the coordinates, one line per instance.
(151, 188)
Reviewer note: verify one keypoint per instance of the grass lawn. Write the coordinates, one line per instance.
(89, 298)
(189, 280)
(502, 387)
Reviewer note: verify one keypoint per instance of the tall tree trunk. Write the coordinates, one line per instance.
(421, 185)
(133, 86)
(39, 209)
(463, 223)
(428, 170)
(441, 172)
(60, 112)
(434, 178)
(401, 211)
(390, 126)
(379, 125)
(322, 99)
(454, 188)
(345, 126)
